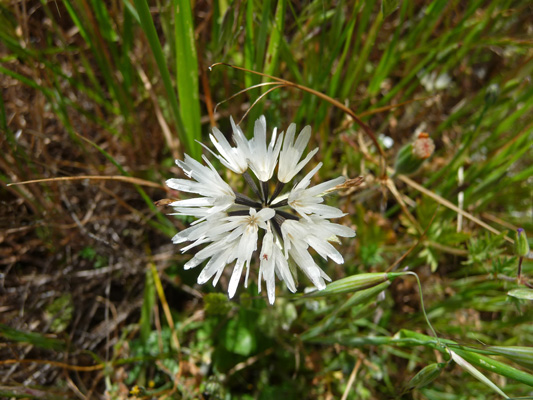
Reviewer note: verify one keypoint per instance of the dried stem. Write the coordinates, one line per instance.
(450, 205)
(244, 91)
(129, 179)
(258, 100)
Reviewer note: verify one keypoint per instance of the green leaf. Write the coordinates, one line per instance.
(35, 339)
(352, 283)
(60, 313)
(427, 375)
(521, 293)
(238, 335)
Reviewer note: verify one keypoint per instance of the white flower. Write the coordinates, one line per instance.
(263, 159)
(229, 222)
(233, 238)
(292, 152)
(217, 193)
(309, 201)
(234, 158)
(199, 231)
(432, 81)
(316, 232)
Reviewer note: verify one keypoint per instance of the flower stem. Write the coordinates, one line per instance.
(287, 215)
(277, 191)
(250, 181)
(282, 203)
(265, 189)
(246, 201)
(421, 302)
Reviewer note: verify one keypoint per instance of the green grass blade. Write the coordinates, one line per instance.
(272, 55)
(475, 373)
(519, 354)
(390, 56)
(358, 298)
(147, 24)
(100, 50)
(187, 71)
(35, 339)
(127, 44)
(495, 366)
(147, 306)
(249, 43)
(260, 43)
(360, 56)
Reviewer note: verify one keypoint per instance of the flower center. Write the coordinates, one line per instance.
(263, 199)
(253, 221)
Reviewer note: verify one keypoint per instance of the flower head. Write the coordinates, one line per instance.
(308, 201)
(234, 158)
(216, 193)
(423, 146)
(231, 224)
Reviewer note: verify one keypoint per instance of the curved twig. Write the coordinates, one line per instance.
(244, 91)
(258, 99)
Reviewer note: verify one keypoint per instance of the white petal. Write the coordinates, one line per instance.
(323, 187)
(233, 158)
(307, 179)
(212, 267)
(195, 202)
(289, 138)
(303, 163)
(235, 278)
(217, 276)
(266, 213)
(247, 265)
(263, 160)
(303, 139)
(193, 262)
(292, 152)
(325, 249)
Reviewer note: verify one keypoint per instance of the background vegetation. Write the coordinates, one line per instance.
(93, 296)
